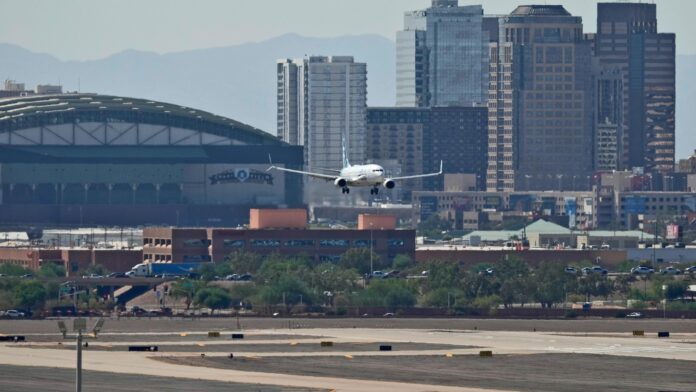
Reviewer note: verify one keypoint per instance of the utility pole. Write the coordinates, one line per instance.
(372, 270)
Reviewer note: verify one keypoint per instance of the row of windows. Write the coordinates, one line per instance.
(333, 243)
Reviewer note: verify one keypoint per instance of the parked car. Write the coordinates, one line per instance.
(594, 270)
(117, 275)
(377, 274)
(691, 270)
(642, 270)
(635, 315)
(169, 276)
(15, 314)
(92, 276)
(571, 270)
(245, 277)
(487, 271)
(670, 271)
(232, 277)
(27, 276)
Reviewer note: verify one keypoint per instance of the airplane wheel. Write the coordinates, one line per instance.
(347, 190)
(376, 191)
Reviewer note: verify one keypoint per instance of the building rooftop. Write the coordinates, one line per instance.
(540, 10)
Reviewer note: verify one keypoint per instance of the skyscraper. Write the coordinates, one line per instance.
(627, 40)
(442, 56)
(540, 102)
(322, 102)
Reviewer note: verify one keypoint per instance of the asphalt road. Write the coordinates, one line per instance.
(42, 379)
(526, 373)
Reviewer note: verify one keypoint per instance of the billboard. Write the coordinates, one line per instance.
(673, 232)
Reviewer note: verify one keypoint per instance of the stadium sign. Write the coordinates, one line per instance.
(237, 176)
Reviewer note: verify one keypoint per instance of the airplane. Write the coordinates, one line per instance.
(371, 175)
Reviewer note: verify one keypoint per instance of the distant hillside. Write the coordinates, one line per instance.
(239, 81)
(235, 81)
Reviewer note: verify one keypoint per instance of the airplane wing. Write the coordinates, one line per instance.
(418, 175)
(327, 177)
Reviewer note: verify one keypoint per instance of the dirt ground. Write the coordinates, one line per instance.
(16, 378)
(177, 325)
(532, 373)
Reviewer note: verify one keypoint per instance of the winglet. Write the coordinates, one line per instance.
(440, 172)
(270, 161)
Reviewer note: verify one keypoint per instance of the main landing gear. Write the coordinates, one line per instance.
(374, 191)
(345, 190)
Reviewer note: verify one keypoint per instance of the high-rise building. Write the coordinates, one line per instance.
(322, 104)
(608, 111)
(540, 102)
(441, 56)
(419, 138)
(627, 39)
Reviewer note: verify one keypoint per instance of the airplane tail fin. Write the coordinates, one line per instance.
(346, 163)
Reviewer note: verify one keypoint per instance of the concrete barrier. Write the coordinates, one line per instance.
(326, 344)
(214, 334)
(385, 347)
(143, 348)
(486, 353)
(638, 333)
(663, 334)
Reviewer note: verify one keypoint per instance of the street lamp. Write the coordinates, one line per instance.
(79, 326)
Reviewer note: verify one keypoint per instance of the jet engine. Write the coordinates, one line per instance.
(389, 184)
(340, 182)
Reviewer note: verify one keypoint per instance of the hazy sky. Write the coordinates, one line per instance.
(90, 29)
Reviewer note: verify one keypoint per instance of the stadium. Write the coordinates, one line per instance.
(89, 159)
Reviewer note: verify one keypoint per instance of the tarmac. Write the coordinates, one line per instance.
(432, 355)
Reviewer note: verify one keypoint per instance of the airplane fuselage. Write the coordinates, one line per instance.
(363, 175)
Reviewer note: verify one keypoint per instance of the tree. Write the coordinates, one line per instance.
(186, 289)
(551, 284)
(30, 294)
(288, 290)
(13, 270)
(213, 298)
(51, 270)
(275, 267)
(402, 262)
(676, 290)
(390, 293)
(333, 278)
(244, 262)
(442, 275)
(359, 260)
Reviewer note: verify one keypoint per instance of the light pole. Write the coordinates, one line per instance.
(371, 247)
(80, 325)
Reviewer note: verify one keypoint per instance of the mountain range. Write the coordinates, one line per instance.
(239, 81)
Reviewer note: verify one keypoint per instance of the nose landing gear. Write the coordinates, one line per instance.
(374, 191)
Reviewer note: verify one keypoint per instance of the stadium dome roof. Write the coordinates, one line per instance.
(38, 111)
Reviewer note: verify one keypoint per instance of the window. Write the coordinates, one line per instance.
(299, 243)
(265, 243)
(333, 243)
(363, 243)
(395, 242)
(196, 243)
(233, 243)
